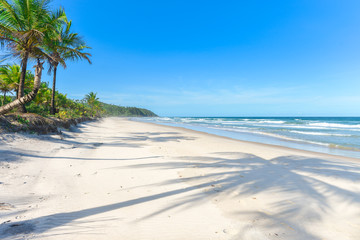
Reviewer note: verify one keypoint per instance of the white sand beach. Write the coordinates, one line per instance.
(121, 179)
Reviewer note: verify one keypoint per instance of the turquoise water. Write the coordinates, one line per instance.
(333, 135)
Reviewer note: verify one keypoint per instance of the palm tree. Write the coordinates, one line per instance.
(44, 95)
(11, 75)
(93, 101)
(5, 87)
(91, 98)
(9, 79)
(69, 46)
(23, 26)
(30, 96)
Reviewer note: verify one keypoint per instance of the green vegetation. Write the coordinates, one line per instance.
(113, 110)
(67, 108)
(22, 120)
(24, 28)
(68, 46)
(31, 31)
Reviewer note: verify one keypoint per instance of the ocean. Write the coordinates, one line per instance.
(332, 135)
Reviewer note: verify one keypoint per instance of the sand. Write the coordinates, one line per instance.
(121, 179)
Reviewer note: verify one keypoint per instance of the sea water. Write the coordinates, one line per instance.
(332, 135)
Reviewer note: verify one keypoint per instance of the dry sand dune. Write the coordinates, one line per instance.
(120, 179)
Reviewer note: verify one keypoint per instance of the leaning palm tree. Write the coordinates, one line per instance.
(68, 46)
(25, 42)
(23, 26)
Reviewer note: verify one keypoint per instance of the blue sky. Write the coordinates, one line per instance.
(219, 58)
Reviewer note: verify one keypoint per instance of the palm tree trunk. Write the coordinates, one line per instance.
(52, 109)
(29, 97)
(20, 92)
(3, 101)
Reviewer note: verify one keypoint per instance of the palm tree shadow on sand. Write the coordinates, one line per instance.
(237, 176)
(297, 179)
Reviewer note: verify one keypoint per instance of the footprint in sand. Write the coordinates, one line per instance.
(6, 206)
(97, 144)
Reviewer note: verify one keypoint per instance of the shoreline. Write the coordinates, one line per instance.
(122, 179)
(265, 138)
(320, 154)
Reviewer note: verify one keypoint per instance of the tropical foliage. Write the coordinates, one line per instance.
(31, 31)
(9, 81)
(65, 46)
(113, 110)
(89, 106)
(24, 25)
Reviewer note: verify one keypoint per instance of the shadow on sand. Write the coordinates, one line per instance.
(227, 175)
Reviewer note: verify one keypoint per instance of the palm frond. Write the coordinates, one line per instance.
(9, 14)
(67, 46)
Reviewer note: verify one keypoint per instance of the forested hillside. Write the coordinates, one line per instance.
(114, 110)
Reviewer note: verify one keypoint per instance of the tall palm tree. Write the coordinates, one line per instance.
(68, 46)
(23, 26)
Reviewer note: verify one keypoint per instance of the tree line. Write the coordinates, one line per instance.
(31, 31)
(114, 110)
(89, 106)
